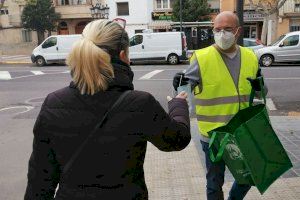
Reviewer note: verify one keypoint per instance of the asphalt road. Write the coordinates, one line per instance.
(23, 88)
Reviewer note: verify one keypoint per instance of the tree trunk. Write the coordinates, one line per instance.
(274, 18)
(41, 36)
(264, 30)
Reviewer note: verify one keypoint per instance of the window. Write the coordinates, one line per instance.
(49, 43)
(138, 31)
(122, 9)
(26, 35)
(80, 2)
(297, 7)
(70, 2)
(136, 40)
(158, 3)
(294, 28)
(4, 11)
(291, 41)
(164, 4)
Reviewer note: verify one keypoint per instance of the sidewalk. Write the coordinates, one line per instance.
(15, 59)
(181, 175)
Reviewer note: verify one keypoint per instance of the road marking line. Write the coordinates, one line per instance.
(27, 108)
(155, 79)
(150, 74)
(270, 104)
(5, 75)
(287, 78)
(37, 72)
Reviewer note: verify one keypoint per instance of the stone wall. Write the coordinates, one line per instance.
(12, 42)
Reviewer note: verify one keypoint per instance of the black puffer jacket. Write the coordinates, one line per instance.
(111, 166)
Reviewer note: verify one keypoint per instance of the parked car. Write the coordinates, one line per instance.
(252, 44)
(285, 49)
(53, 49)
(164, 46)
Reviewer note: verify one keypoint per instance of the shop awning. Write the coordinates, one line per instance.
(160, 24)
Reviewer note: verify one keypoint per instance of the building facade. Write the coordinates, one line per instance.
(253, 20)
(75, 14)
(14, 39)
(137, 13)
(289, 17)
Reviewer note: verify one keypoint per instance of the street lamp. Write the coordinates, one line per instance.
(99, 11)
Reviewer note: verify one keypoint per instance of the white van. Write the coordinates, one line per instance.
(54, 49)
(167, 46)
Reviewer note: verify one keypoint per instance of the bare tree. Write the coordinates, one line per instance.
(270, 10)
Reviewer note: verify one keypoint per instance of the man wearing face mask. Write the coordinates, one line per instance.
(221, 77)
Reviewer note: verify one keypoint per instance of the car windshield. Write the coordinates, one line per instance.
(277, 41)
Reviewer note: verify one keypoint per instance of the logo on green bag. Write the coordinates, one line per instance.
(234, 151)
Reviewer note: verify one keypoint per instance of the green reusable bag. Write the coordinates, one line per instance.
(250, 147)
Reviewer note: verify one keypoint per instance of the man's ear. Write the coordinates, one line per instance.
(124, 57)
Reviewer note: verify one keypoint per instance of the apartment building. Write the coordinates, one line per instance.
(289, 17)
(253, 20)
(137, 13)
(13, 38)
(75, 14)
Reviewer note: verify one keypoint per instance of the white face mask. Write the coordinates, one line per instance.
(224, 39)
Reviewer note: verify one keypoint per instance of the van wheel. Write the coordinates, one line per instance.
(266, 60)
(40, 61)
(173, 59)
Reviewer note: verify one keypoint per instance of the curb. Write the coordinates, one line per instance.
(15, 62)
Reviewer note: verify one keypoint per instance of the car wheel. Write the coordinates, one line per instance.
(40, 61)
(173, 59)
(266, 60)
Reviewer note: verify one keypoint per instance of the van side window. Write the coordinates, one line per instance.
(49, 43)
(136, 40)
(291, 41)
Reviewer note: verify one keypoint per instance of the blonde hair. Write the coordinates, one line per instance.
(90, 58)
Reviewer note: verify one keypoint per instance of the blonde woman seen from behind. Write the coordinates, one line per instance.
(110, 166)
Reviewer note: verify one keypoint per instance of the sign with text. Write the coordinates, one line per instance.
(162, 15)
(253, 16)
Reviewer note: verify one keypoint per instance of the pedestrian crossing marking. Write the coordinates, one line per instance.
(150, 74)
(5, 75)
(37, 72)
(270, 104)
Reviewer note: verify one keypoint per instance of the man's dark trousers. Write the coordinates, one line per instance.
(215, 180)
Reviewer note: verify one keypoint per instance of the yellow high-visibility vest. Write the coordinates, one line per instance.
(220, 99)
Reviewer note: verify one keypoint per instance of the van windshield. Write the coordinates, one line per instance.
(277, 41)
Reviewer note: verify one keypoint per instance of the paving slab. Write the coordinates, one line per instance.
(181, 175)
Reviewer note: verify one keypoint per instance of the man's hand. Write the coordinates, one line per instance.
(176, 80)
(255, 83)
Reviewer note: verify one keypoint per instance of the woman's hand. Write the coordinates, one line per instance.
(181, 95)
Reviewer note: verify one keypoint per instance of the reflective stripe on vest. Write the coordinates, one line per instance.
(219, 99)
